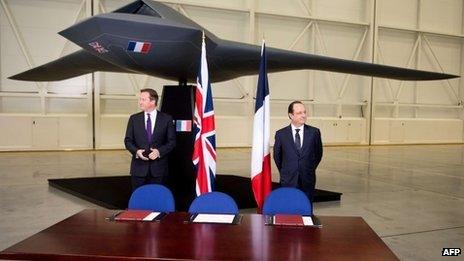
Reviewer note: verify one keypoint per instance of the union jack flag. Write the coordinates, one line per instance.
(204, 152)
(98, 47)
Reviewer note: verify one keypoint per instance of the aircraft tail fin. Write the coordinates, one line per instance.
(72, 65)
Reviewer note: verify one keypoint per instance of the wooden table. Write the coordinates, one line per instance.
(87, 235)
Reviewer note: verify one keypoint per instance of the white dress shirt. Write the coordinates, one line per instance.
(152, 118)
(301, 132)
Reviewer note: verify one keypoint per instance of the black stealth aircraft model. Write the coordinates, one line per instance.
(148, 37)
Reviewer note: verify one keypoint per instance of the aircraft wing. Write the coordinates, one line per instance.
(324, 63)
(72, 65)
(246, 57)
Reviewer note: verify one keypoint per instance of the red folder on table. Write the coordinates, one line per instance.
(132, 215)
(288, 220)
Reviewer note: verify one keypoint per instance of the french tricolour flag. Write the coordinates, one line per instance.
(260, 152)
(139, 47)
(183, 125)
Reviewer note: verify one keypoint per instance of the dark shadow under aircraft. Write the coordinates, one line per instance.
(148, 37)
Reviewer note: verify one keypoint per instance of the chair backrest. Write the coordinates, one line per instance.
(152, 197)
(287, 201)
(214, 203)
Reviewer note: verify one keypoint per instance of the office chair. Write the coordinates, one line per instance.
(214, 203)
(152, 197)
(287, 201)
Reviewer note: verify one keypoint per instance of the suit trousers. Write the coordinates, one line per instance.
(148, 179)
(309, 193)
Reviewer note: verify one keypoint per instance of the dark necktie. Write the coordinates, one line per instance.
(148, 128)
(297, 139)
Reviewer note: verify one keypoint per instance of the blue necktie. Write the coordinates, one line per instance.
(297, 139)
(149, 133)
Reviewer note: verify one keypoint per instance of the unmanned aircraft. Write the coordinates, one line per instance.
(148, 37)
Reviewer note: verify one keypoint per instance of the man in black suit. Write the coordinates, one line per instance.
(298, 151)
(150, 136)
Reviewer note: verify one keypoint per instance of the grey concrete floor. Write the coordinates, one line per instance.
(412, 196)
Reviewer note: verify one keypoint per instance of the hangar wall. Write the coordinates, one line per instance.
(92, 110)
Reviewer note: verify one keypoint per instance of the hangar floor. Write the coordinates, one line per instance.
(412, 196)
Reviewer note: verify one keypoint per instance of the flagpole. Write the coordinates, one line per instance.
(204, 152)
(262, 45)
(261, 177)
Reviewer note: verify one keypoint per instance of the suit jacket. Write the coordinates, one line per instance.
(298, 167)
(163, 139)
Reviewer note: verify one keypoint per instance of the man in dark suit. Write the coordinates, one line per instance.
(150, 136)
(298, 151)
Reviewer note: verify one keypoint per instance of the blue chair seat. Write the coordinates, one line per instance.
(287, 200)
(214, 203)
(152, 197)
